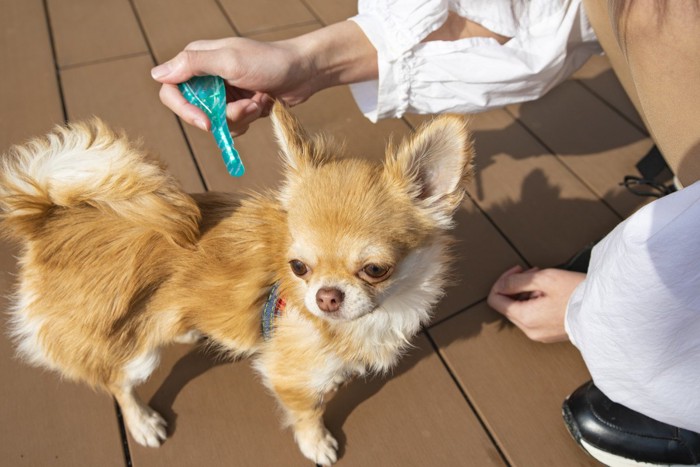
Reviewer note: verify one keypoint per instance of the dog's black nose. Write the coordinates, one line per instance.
(329, 299)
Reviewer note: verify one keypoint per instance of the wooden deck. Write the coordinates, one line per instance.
(475, 391)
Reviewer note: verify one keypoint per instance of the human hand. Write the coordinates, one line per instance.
(254, 73)
(535, 300)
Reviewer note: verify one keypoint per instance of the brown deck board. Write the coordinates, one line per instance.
(481, 254)
(170, 25)
(516, 385)
(87, 31)
(598, 76)
(131, 104)
(597, 144)
(333, 12)
(415, 417)
(29, 93)
(261, 15)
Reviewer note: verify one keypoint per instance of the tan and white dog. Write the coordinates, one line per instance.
(117, 262)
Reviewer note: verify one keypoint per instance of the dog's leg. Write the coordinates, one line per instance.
(146, 425)
(305, 414)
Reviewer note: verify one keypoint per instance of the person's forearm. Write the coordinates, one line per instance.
(338, 54)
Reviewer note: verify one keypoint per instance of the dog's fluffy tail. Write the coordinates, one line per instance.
(87, 164)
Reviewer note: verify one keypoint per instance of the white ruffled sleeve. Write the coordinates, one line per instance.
(395, 26)
(473, 74)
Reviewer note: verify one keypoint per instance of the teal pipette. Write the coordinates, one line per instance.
(209, 94)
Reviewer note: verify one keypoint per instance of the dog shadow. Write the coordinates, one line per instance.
(195, 363)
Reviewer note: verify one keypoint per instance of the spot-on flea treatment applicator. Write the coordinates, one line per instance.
(209, 94)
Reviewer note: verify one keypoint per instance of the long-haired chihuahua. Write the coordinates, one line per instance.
(327, 278)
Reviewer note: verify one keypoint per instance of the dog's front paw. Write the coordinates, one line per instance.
(147, 427)
(318, 445)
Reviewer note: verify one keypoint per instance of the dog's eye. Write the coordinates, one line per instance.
(375, 272)
(298, 267)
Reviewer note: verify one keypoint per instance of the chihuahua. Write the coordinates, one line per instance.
(327, 278)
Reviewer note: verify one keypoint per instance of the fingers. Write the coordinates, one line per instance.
(540, 317)
(497, 299)
(500, 303)
(512, 290)
(516, 281)
(242, 112)
(172, 98)
(189, 63)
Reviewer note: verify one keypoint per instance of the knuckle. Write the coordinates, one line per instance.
(228, 63)
(186, 57)
(186, 60)
(194, 45)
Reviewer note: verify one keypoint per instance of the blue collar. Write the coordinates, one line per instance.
(273, 308)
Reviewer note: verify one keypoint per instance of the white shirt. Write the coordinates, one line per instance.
(636, 317)
(550, 39)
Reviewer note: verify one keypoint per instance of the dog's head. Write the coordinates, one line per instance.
(359, 232)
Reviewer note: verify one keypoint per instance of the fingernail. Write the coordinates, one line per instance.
(161, 71)
(252, 107)
(201, 124)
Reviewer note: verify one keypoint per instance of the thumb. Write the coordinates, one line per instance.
(187, 64)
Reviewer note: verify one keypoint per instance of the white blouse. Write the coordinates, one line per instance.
(550, 39)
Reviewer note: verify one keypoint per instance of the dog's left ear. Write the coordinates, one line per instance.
(435, 165)
(299, 151)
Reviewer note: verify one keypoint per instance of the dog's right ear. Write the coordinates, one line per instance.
(298, 149)
(435, 163)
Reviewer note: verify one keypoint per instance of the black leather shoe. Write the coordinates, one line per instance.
(618, 436)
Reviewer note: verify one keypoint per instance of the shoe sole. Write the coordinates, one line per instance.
(606, 458)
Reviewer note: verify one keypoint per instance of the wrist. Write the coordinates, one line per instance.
(337, 54)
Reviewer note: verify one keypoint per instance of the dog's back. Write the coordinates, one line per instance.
(91, 214)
